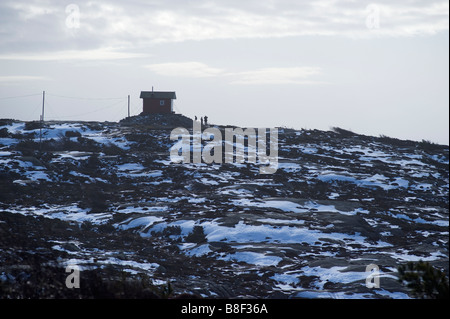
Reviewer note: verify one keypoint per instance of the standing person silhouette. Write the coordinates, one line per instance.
(206, 120)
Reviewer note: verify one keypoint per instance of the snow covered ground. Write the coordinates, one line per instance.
(334, 206)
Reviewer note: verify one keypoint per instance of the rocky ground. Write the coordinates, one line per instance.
(106, 197)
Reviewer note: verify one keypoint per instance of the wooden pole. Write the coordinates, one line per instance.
(128, 105)
(43, 105)
(42, 121)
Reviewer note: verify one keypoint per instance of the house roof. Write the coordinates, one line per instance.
(157, 95)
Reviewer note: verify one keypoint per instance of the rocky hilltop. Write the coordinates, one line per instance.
(106, 197)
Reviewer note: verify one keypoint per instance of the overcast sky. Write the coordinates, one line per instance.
(376, 67)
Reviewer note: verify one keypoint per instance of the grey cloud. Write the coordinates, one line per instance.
(40, 25)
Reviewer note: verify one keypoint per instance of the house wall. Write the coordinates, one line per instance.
(154, 106)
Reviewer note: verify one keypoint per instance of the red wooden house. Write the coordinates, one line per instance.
(157, 102)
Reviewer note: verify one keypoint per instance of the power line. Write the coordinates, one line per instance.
(90, 112)
(36, 108)
(115, 101)
(87, 98)
(19, 96)
(51, 110)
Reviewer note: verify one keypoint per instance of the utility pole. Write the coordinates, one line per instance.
(128, 105)
(42, 121)
(43, 104)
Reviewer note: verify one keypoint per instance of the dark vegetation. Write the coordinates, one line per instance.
(424, 280)
(30, 268)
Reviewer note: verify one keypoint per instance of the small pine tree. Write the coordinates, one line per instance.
(425, 281)
(197, 235)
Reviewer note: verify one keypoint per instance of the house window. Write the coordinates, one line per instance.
(161, 102)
